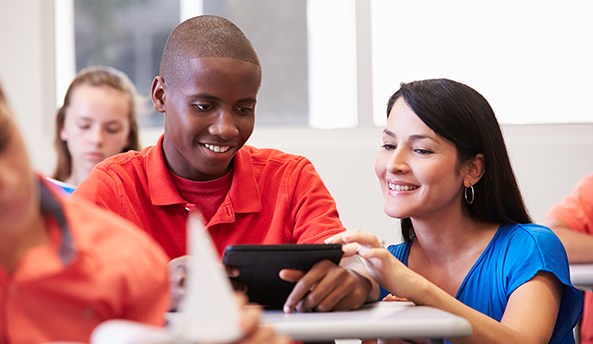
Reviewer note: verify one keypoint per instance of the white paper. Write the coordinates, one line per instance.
(208, 312)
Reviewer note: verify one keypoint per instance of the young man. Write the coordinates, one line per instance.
(209, 79)
(67, 266)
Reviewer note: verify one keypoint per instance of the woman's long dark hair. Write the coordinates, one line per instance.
(463, 116)
(96, 76)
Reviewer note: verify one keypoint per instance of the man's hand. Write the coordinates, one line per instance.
(328, 287)
(177, 275)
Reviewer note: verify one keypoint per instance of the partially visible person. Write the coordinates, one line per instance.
(470, 247)
(210, 76)
(65, 265)
(572, 221)
(98, 120)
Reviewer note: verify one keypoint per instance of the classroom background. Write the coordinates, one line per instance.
(329, 67)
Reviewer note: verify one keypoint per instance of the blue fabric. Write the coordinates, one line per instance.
(65, 188)
(513, 257)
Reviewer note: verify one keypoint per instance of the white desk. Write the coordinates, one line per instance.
(581, 276)
(376, 320)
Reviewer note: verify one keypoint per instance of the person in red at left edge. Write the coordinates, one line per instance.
(209, 80)
(65, 265)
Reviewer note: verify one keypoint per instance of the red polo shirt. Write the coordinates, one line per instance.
(274, 198)
(95, 267)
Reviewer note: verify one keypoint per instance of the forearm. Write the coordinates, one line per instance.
(578, 245)
(539, 296)
(355, 266)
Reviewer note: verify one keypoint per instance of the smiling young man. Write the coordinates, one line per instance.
(209, 80)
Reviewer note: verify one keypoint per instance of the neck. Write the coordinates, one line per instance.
(77, 176)
(450, 235)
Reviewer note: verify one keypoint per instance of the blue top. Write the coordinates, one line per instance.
(515, 254)
(65, 188)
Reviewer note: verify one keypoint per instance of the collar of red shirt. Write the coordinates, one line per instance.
(243, 196)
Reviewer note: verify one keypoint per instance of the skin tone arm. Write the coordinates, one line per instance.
(541, 295)
(579, 246)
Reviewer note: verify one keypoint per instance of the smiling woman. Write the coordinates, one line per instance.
(469, 245)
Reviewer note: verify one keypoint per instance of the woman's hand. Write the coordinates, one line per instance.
(387, 270)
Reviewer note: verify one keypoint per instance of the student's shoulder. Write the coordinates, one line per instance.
(103, 232)
(129, 159)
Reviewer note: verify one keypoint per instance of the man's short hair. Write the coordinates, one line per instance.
(204, 36)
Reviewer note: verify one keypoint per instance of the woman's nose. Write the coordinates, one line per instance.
(398, 161)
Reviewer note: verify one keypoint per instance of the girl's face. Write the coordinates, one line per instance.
(419, 170)
(97, 126)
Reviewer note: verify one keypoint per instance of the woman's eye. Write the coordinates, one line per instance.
(422, 151)
(388, 146)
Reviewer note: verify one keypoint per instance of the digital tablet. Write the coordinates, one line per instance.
(259, 266)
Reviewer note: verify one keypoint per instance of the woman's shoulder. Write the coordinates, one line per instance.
(535, 233)
(400, 251)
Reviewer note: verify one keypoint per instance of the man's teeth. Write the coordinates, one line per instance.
(397, 187)
(217, 149)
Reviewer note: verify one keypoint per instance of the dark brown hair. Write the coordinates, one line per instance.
(96, 76)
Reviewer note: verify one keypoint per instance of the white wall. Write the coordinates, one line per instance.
(548, 159)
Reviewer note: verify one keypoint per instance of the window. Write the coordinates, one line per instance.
(334, 63)
(303, 83)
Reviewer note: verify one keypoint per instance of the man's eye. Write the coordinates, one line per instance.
(245, 109)
(203, 107)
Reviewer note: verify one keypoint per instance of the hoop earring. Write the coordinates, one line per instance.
(465, 194)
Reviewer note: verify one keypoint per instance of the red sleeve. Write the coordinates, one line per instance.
(314, 209)
(576, 209)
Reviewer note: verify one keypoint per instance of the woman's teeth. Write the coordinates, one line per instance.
(398, 187)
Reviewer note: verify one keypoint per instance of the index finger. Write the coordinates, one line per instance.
(356, 236)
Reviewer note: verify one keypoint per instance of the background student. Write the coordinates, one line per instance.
(97, 120)
(209, 80)
(572, 221)
(469, 245)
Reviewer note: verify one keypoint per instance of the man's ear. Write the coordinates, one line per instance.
(158, 93)
(474, 170)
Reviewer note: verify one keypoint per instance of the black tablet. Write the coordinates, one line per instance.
(259, 266)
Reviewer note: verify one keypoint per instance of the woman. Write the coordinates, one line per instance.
(97, 120)
(469, 245)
